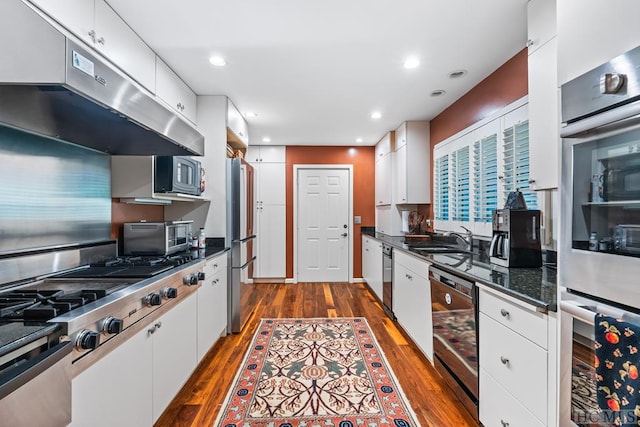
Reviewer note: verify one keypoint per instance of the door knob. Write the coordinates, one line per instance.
(344, 234)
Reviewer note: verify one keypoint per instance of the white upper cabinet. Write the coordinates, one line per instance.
(544, 117)
(266, 153)
(541, 23)
(237, 125)
(94, 22)
(172, 90)
(544, 113)
(591, 32)
(413, 155)
(383, 171)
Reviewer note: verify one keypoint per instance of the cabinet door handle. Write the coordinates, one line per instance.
(532, 181)
(408, 277)
(530, 43)
(158, 325)
(504, 423)
(367, 250)
(504, 312)
(101, 41)
(504, 360)
(92, 35)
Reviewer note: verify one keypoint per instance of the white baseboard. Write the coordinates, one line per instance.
(357, 280)
(290, 280)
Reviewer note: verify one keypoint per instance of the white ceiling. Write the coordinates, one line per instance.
(314, 71)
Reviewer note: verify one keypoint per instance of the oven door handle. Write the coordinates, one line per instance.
(618, 118)
(586, 313)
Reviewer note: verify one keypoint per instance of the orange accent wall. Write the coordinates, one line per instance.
(363, 161)
(504, 86)
(129, 212)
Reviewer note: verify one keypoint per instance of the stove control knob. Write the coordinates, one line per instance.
(191, 279)
(111, 325)
(152, 299)
(170, 293)
(200, 275)
(87, 340)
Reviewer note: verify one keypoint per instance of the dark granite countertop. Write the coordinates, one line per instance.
(536, 286)
(213, 247)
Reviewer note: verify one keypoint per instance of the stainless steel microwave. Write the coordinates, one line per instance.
(156, 238)
(176, 174)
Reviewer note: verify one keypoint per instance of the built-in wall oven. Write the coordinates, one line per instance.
(598, 262)
(579, 403)
(601, 181)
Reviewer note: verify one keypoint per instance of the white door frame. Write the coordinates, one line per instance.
(296, 168)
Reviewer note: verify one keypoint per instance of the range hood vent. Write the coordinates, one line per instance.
(54, 87)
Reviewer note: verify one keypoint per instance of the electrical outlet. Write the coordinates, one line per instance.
(357, 219)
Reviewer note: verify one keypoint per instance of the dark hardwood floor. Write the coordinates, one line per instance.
(200, 399)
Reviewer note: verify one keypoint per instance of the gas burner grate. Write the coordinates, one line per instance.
(38, 305)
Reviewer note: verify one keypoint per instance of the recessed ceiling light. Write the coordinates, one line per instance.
(359, 140)
(218, 61)
(411, 62)
(457, 73)
(266, 139)
(376, 115)
(251, 115)
(438, 92)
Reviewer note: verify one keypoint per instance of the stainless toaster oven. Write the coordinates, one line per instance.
(156, 238)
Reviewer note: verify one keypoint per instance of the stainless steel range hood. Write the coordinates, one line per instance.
(51, 86)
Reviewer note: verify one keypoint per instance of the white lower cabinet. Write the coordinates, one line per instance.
(498, 408)
(412, 299)
(116, 390)
(212, 304)
(133, 384)
(372, 264)
(271, 255)
(174, 352)
(514, 381)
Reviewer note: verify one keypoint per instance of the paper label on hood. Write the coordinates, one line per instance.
(83, 64)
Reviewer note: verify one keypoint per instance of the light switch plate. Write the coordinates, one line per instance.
(357, 219)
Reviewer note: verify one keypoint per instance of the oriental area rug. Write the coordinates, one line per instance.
(315, 372)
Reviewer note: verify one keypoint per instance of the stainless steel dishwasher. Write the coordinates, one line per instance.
(387, 280)
(455, 331)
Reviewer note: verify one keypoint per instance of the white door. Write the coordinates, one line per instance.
(323, 225)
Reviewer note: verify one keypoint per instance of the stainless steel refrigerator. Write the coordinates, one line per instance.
(241, 238)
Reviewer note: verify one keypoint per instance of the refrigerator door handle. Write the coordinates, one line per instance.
(246, 264)
(246, 239)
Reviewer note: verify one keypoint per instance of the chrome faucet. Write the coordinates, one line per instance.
(467, 238)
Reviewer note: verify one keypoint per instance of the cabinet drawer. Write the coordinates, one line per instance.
(498, 408)
(522, 318)
(412, 263)
(519, 365)
(216, 264)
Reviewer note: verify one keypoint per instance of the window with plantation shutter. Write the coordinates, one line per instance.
(441, 188)
(460, 184)
(516, 163)
(485, 178)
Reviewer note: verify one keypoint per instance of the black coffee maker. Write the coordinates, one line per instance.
(516, 235)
